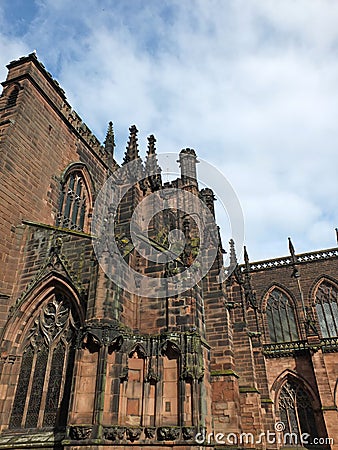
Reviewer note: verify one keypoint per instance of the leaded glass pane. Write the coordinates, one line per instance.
(281, 318)
(37, 388)
(271, 325)
(64, 404)
(54, 386)
(327, 309)
(22, 388)
(292, 325)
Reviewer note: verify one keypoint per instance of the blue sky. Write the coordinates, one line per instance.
(251, 85)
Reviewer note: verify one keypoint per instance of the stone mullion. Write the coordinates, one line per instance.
(64, 380)
(10, 367)
(159, 395)
(143, 409)
(145, 417)
(77, 202)
(117, 385)
(180, 393)
(77, 360)
(123, 387)
(100, 387)
(195, 403)
(45, 386)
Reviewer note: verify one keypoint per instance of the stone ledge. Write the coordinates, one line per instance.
(222, 373)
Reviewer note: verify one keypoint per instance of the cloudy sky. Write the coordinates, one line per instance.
(251, 85)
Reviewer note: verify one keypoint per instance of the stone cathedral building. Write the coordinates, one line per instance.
(244, 361)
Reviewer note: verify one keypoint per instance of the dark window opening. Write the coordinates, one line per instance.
(73, 203)
(296, 412)
(281, 317)
(327, 309)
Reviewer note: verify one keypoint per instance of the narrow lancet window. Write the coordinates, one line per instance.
(73, 202)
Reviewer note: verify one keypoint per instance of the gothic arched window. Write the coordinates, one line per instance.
(327, 308)
(43, 383)
(281, 317)
(296, 411)
(73, 202)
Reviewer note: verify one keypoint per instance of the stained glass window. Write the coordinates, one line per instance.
(73, 202)
(22, 388)
(54, 386)
(327, 309)
(37, 388)
(296, 411)
(44, 369)
(281, 317)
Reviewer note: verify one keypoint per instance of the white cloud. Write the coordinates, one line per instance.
(251, 85)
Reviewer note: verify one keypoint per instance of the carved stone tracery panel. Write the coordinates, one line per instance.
(49, 345)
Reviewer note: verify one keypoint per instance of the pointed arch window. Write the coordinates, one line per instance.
(73, 204)
(327, 309)
(40, 397)
(296, 411)
(281, 317)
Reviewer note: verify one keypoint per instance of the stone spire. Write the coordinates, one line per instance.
(246, 260)
(295, 272)
(132, 147)
(152, 169)
(233, 257)
(151, 145)
(250, 295)
(109, 143)
(151, 163)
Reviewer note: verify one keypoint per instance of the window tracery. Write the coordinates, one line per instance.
(44, 366)
(327, 309)
(296, 410)
(73, 202)
(281, 317)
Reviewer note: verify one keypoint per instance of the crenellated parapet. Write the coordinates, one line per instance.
(77, 123)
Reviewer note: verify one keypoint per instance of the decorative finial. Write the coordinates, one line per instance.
(152, 169)
(291, 249)
(151, 163)
(246, 259)
(151, 145)
(295, 272)
(233, 257)
(132, 147)
(109, 143)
